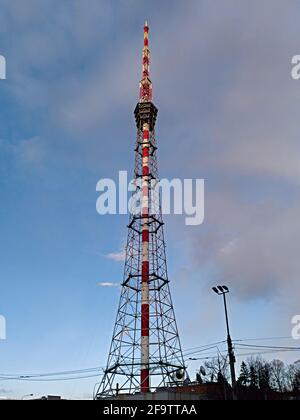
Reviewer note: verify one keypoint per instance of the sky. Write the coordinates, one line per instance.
(228, 113)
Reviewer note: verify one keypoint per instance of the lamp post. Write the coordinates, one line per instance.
(222, 291)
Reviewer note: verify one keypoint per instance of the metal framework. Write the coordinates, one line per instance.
(145, 343)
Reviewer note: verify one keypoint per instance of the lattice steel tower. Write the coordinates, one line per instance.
(145, 344)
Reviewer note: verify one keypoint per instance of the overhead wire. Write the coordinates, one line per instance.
(192, 351)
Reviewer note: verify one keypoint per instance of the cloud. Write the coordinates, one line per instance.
(254, 248)
(116, 256)
(30, 151)
(5, 391)
(108, 284)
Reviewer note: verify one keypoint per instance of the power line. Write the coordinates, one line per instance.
(71, 374)
(263, 339)
(243, 346)
(200, 351)
(245, 354)
(33, 379)
(207, 345)
(66, 372)
(47, 376)
(50, 379)
(270, 347)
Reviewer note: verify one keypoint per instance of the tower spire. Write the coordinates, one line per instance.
(145, 83)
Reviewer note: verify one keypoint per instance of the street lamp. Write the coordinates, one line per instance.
(27, 395)
(222, 291)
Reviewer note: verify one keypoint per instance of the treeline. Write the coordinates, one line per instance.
(257, 374)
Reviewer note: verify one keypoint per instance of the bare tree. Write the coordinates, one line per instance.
(278, 375)
(217, 369)
(293, 376)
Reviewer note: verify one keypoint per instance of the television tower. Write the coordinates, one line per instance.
(145, 351)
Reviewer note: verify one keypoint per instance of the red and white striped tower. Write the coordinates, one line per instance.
(145, 263)
(145, 96)
(145, 343)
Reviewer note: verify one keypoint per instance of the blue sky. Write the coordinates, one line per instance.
(228, 113)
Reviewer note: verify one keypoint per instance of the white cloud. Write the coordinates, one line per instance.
(30, 151)
(4, 391)
(107, 284)
(116, 256)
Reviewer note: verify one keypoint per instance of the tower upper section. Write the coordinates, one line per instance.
(145, 111)
(145, 83)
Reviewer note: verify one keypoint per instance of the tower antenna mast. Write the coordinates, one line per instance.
(145, 351)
